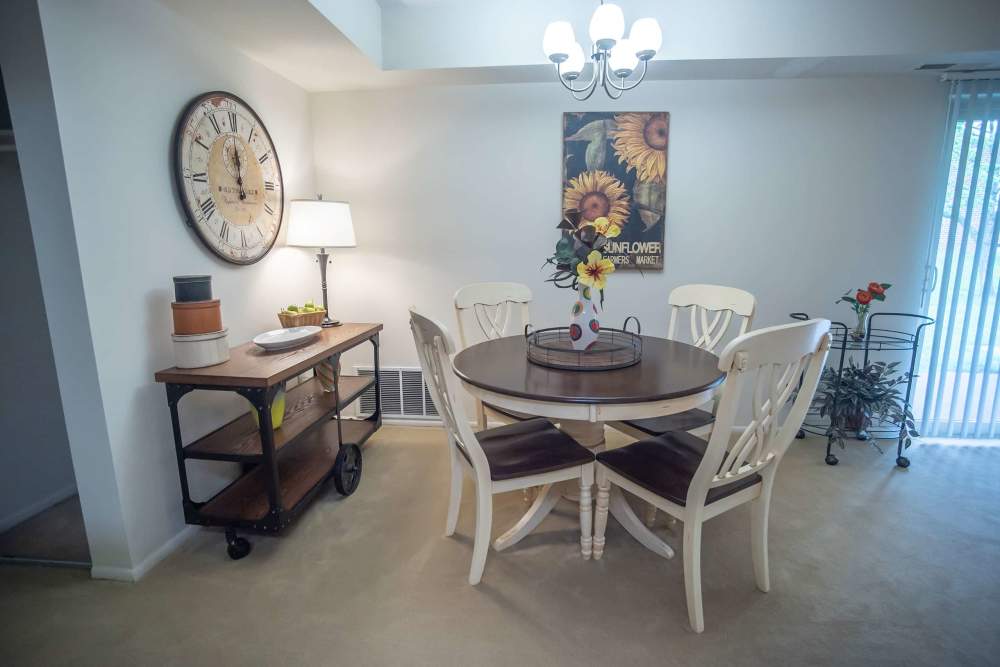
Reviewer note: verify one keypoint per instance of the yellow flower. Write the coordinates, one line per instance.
(606, 228)
(594, 272)
(596, 194)
(641, 142)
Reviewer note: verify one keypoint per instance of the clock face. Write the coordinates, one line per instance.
(229, 177)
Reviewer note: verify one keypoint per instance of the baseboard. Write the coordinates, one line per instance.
(136, 573)
(399, 421)
(37, 507)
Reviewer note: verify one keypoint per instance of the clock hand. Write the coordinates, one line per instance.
(239, 170)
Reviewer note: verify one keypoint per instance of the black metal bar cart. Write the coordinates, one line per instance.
(284, 468)
(901, 334)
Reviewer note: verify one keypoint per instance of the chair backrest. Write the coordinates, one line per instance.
(434, 348)
(486, 311)
(712, 308)
(770, 363)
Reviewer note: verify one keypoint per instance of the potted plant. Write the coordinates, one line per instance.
(861, 304)
(862, 394)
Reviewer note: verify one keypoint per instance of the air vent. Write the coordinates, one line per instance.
(932, 66)
(404, 393)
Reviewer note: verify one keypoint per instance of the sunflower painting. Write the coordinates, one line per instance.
(615, 167)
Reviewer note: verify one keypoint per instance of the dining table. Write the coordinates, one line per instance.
(670, 377)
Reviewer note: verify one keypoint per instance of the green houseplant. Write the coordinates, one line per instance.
(861, 395)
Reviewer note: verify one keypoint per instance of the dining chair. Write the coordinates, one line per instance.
(487, 311)
(694, 480)
(506, 458)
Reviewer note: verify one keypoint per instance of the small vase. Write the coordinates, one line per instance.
(861, 330)
(585, 326)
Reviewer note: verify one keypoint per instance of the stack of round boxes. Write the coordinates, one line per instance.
(199, 337)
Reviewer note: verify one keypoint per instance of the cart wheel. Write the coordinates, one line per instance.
(347, 469)
(902, 462)
(864, 436)
(832, 460)
(237, 547)
(800, 435)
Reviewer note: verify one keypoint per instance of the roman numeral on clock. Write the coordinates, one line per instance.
(224, 230)
(250, 136)
(263, 158)
(268, 185)
(207, 207)
(232, 121)
(267, 207)
(200, 143)
(201, 177)
(215, 123)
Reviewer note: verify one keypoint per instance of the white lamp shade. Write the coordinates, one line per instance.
(646, 37)
(622, 59)
(573, 65)
(320, 224)
(558, 40)
(607, 25)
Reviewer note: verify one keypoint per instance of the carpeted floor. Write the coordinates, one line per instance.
(870, 566)
(56, 535)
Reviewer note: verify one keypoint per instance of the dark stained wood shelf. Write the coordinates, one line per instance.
(300, 470)
(305, 406)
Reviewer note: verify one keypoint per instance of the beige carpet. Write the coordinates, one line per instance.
(55, 535)
(870, 566)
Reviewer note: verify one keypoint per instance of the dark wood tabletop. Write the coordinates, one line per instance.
(668, 369)
(253, 366)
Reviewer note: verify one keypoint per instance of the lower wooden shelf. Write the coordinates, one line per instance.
(300, 470)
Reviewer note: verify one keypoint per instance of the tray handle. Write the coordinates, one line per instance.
(638, 325)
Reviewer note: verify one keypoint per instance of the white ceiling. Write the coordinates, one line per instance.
(483, 41)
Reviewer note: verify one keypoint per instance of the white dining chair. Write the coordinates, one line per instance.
(487, 311)
(506, 458)
(694, 480)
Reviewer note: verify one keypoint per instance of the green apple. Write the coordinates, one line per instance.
(292, 308)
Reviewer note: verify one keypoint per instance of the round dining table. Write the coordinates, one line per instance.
(670, 377)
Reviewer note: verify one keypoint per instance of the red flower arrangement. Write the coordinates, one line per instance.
(861, 303)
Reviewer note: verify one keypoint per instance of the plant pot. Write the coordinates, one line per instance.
(197, 317)
(585, 324)
(858, 422)
(192, 288)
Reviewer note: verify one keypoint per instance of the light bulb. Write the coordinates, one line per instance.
(607, 26)
(574, 63)
(622, 59)
(646, 37)
(558, 40)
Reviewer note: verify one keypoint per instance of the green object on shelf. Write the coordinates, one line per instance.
(277, 410)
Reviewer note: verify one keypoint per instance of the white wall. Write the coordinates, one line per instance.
(35, 466)
(796, 190)
(121, 73)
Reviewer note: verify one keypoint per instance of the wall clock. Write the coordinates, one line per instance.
(228, 177)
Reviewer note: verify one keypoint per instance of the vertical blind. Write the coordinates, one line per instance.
(960, 367)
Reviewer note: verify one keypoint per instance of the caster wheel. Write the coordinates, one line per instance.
(347, 469)
(238, 548)
(902, 462)
(864, 436)
(800, 435)
(832, 460)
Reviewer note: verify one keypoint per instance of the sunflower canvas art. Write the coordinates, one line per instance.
(615, 167)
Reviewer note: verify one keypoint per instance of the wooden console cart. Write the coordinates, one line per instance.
(283, 469)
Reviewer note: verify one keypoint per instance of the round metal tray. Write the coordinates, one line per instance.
(614, 348)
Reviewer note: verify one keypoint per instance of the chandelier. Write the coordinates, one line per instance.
(616, 57)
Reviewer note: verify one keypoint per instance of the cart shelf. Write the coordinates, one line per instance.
(306, 406)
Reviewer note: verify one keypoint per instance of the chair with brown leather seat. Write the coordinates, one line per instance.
(507, 458)
(694, 480)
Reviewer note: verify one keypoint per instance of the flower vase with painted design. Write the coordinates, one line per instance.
(585, 325)
(861, 303)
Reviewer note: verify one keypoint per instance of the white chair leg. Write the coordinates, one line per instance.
(455, 495)
(601, 515)
(692, 572)
(484, 524)
(650, 515)
(586, 512)
(759, 510)
(481, 415)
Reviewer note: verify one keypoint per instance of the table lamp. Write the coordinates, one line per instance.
(321, 224)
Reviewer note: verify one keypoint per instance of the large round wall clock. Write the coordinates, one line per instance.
(229, 177)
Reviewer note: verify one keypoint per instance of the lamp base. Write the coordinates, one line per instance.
(327, 322)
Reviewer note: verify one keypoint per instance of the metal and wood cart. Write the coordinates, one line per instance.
(877, 339)
(285, 468)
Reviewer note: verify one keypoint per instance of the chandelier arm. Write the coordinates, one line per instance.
(609, 89)
(589, 88)
(630, 86)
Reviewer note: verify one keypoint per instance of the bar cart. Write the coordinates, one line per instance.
(878, 339)
(282, 469)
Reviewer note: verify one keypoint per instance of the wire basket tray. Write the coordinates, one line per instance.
(613, 349)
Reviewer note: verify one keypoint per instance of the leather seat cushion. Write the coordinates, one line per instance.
(529, 448)
(682, 421)
(666, 465)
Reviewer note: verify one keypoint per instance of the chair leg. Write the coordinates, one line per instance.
(759, 510)
(586, 511)
(481, 415)
(484, 525)
(601, 515)
(692, 572)
(455, 495)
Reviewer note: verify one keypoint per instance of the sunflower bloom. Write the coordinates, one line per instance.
(640, 142)
(597, 194)
(594, 272)
(606, 228)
